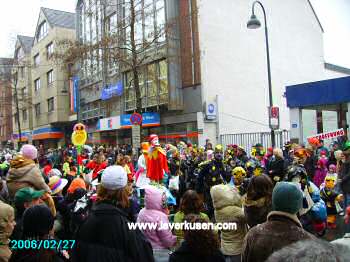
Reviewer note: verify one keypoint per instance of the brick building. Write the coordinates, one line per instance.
(5, 101)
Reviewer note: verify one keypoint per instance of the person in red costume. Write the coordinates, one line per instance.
(157, 162)
(99, 163)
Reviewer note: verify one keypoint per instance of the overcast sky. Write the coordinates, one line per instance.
(20, 17)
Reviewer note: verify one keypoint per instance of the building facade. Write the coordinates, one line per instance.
(50, 80)
(233, 63)
(22, 120)
(169, 74)
(5, 101)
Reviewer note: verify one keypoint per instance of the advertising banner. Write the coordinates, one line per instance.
(148, 119)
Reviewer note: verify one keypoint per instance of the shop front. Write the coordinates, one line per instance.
(321, 107)
(49, 137)
(117, 130)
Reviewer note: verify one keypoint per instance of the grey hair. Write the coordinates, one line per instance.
(311, 250)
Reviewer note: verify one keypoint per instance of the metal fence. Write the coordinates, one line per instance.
(247, 140)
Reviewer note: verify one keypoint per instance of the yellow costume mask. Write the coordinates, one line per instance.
(330, 182)
(238, 174)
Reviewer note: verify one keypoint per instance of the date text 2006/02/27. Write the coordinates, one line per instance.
(45, 244)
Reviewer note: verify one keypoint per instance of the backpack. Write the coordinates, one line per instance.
(79, 211)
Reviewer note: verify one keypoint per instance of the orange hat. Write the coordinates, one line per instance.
(76, 183)
(145, 147)
(301, 152)
(313, 141)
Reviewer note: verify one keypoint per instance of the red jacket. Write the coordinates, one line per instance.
(96, 167)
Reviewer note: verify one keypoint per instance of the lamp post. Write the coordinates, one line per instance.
(254, 23)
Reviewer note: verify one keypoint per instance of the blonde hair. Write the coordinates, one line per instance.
(338, 154)
(278, 152)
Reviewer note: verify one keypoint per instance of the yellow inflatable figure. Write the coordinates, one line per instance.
(79, 135)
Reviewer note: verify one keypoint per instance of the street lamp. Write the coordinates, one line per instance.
(254, 23)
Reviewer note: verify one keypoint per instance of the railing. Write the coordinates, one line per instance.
(94, 113)
(247, 140)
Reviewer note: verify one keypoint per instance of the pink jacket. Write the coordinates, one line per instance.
(153, 212)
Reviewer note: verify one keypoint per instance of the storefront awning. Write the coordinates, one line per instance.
(326, 92)
(48, 133)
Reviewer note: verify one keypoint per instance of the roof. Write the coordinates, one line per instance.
(27, 42)
(326, 92)
(337, 68)
(59, 18)
(316, 16)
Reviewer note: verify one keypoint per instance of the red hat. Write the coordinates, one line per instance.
(154, 140)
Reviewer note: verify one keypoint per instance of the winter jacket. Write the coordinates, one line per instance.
(256, 211)
(153, 212)
(275, 169)
(320, 175)
(24, 173)
(185, 254)
(179, 218)
(6, 213)
(105, 236)
(280, 230)
(345, 177)
(228, 208)
(33, 255)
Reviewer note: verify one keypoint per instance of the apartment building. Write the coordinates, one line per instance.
(49, 79)
(21, 72)
(169, 78)
(5, 101)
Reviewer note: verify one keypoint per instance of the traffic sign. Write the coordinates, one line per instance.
(136, 136)
(274, 117)
(136, 119)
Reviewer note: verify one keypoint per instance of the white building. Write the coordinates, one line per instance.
(233, 60)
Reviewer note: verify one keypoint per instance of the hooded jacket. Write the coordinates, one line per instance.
(154, 212)
(6, 214)
(256, 211)
(105, 236)
(24, 173)
(228, 208)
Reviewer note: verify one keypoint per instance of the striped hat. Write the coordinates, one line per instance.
(57, 184)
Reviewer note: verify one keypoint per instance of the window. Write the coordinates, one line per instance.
(19, 54)
(37, 109)
(50, 104)
(149, 22)
(163, 81)
(24, 93)
(36, 60)
(16, 117)
(24, 114)
(113, 24)
(49, 77)
(153, 83)
(22, 71)
(49, 50)
(42, 31)
(37, 84)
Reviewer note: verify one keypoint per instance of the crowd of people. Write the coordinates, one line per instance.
(283, 201)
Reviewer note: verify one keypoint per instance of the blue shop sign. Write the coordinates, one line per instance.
(112, 90)
(148, 119)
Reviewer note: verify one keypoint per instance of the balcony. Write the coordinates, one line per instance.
(94, 113)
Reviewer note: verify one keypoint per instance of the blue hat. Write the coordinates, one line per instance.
(287, 197)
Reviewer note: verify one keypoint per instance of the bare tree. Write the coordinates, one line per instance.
(133, 41)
